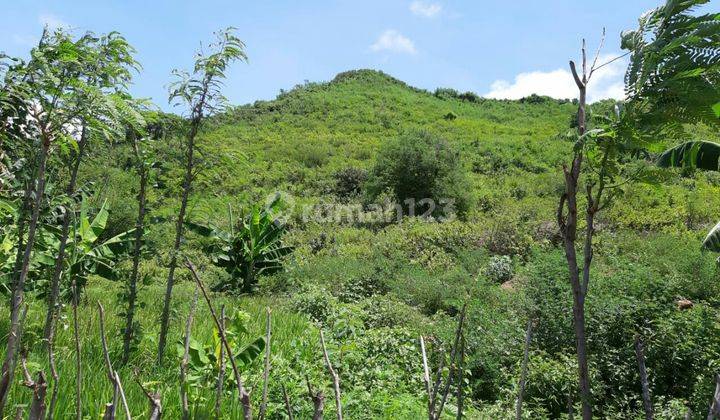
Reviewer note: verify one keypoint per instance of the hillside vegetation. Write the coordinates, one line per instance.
(374, 286)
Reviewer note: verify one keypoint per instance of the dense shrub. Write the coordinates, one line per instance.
(349, 182)
(420, 166)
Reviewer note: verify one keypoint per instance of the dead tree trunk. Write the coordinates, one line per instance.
(153, 399)
(640, 355)
(524, 371)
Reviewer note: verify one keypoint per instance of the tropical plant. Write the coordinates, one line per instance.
(200, 93)
(674, 73)
(696, 155)
(251, 248)
(66, 89)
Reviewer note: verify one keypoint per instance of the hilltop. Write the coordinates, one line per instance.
(375, 287)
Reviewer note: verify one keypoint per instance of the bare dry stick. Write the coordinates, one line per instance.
(186, 358)
(243, 395)
(639, 354)
(39, 388)
(288, 408)
(426, 377)
(335, 377)
(112, 374)
(19, 412)
(221, 369)
(153, 398)
(523, 371)
(318, 400)
(266, 372)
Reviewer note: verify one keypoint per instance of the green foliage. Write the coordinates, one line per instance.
(693, 154)
(424, 174)
(674, 73)
(250, 249)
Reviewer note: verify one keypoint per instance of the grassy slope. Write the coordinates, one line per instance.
(376, 288)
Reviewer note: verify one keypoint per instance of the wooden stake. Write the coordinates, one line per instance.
(335, 377)
(112, 374)
(318, 400)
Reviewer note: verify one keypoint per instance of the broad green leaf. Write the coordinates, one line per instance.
(712, 240)
(692, 154)
(251, 352)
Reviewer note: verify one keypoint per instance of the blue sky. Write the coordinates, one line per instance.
(507, 48)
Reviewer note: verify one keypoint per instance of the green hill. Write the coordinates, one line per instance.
(375, 287)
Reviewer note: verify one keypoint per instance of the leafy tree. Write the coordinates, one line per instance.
(145, 161)
(424, 173)
(199, 92)
(674, 73)
(251, 248)
(68, 88)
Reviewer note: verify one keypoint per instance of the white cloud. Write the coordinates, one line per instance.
(421, 8)
(393, 41)
(52, 21)
(606, 82)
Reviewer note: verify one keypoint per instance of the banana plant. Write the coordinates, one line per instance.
(251, 248)
(89, 252)
(698, 155)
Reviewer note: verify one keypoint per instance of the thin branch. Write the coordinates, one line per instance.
(597, 54)
(112, 374)
(335, 377)
(612, 60)
(288, 408)
(647, 403)
(578, 82)
(221, 369)
(523, 371)
(266, 372)
(243, 395)
(426, 377)
(153, 398)
(453, 356)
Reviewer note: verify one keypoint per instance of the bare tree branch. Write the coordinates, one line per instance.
(335, 377)
(266, 372)
(186, 356)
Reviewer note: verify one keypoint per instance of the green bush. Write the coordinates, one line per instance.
(420, 166)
